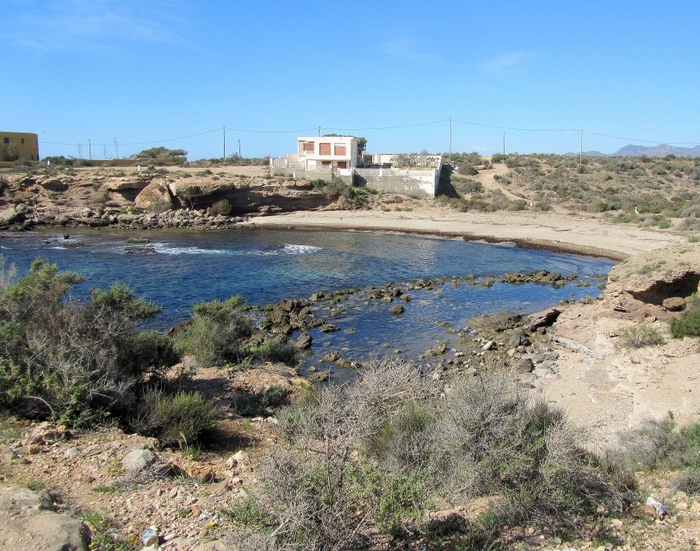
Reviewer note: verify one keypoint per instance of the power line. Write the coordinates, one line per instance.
(379, 128)
(387, 127)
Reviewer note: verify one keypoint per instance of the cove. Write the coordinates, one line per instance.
(177, 268)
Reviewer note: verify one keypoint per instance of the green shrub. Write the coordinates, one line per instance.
(75, 361)
(214, 334)
(689, 481)
(183, 418)
(221, 208)
(274, 351)
(153, 351)
(396, 501)
(640, 336)
(384, 447)
(688, 325)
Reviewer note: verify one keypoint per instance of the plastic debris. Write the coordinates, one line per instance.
(150, 539)
(660, 509)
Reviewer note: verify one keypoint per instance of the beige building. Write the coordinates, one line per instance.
(19, 145)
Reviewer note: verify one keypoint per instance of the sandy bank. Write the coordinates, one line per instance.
(557, 232)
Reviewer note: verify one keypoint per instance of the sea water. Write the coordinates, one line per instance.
(177, 268)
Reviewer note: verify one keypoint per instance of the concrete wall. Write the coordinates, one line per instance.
(418, 159)
(298, 173)
(416, 182)
(24, 144)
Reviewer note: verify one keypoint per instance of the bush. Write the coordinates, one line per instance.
(688, 325)
(640, 336)
(75, 361)
(490, 440)
(274, 351)
(213, 335)
(385, 447)
(221, 208)
(183, 418)
(154, 351)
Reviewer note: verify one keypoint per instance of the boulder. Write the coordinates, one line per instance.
(544, 319)
(11, 215)
(157, 192)
(674, 304)
(29, 522)
(138, 460)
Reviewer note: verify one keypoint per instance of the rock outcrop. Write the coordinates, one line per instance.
(29, 522)
(92, 197)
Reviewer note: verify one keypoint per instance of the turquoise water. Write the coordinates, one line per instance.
(176, 269)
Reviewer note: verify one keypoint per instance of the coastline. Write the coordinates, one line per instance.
(544, 231)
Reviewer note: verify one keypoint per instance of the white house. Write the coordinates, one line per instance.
(321, 154)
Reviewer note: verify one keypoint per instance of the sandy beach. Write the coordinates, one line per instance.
(552, 231)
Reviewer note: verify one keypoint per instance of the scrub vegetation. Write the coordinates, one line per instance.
(370, 459)
(86, 362)
(649, 191)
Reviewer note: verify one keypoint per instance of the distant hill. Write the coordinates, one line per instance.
(657, 151)
(638, 150)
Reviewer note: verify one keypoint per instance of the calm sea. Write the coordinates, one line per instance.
(180, 268)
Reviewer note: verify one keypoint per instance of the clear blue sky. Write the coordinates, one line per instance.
(174, 72)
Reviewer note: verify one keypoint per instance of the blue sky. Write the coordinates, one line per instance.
(174, 72)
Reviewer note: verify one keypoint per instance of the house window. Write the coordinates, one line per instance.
(340, 149)
(308, 146)
(6, 140)
(342, 164)
(324, 148)
(22, 140)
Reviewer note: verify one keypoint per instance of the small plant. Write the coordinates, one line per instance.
(102, 533)
(640, 336)
(183, 419)
(213, 335)
(35, 484)
(688, 325)
(249, 513)
(221, 208)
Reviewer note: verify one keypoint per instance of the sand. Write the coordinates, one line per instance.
(553, 231)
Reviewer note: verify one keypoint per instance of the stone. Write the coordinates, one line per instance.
(525, 365)
(674, 304)
(28, 522)
(240, 457)
(545, 318)
(488, 345)
(398, 309)
(138, 460)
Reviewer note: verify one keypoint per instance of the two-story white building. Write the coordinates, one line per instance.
(321, 154)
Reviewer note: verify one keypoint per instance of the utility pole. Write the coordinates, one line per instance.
(89, 149)
(116, 147)
(80, 151)
(224, 129)
(580, 155)
(104, 152)
(318, 131)
(239, 149)
(449, 152)
(504, 143)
